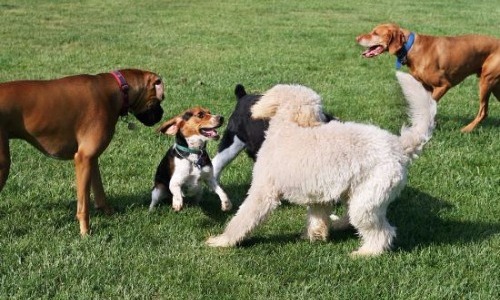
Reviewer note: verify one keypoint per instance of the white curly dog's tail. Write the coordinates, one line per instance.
(421, 110)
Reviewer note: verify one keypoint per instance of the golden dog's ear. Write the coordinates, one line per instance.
(397, 41)
(171, 126)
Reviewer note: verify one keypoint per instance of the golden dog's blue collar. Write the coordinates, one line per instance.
(402, 54)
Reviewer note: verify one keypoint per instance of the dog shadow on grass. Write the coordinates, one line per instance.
(415, 214)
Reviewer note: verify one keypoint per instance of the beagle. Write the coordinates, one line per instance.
(187, 163)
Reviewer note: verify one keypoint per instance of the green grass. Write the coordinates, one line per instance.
(448, 244)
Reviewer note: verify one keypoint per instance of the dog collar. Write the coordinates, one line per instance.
(402, 54)
(187, 149)
(202, 159)
(124, 87)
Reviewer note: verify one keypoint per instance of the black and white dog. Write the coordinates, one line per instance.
(242, 132)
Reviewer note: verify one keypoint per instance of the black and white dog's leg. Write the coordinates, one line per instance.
(229, 147)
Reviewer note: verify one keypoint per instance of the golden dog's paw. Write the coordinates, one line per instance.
(219, 241)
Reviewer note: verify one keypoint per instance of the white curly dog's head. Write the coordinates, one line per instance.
(295, 103)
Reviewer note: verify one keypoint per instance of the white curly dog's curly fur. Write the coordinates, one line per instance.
(315, 164)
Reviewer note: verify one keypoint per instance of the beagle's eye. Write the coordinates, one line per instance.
(201, 114)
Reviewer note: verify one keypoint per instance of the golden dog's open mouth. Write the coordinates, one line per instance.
(373, 51)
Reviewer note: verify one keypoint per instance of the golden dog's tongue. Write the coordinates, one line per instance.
(373, 51)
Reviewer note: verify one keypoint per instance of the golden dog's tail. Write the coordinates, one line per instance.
(421, 110)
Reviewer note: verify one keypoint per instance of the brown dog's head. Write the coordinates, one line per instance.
(146, 91)
(385, 37)
(195, 123)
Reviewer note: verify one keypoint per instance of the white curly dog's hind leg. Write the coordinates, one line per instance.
(318, 222)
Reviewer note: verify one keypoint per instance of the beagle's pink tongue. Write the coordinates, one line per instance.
(210, 133)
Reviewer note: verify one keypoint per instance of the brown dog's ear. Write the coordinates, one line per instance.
(397, 41)
(171, 126)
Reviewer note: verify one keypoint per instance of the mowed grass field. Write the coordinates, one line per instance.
(447, 218)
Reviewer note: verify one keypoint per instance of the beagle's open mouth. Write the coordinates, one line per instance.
(373, 51)
(210, 132)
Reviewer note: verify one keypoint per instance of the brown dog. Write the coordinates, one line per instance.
(441, 62)
(74, 118)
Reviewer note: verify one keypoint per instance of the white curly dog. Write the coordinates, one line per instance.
(315, 164)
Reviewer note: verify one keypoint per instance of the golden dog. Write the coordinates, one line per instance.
(74, 118)
(441, 62)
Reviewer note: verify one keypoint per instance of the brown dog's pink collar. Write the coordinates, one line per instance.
(124, 89)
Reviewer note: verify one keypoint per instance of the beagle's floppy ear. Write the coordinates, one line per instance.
(171, 126)
(397, 41)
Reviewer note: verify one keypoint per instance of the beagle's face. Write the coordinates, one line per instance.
(385, 37)
(197, 121)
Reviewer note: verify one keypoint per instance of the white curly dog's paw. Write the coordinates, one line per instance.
(219, 241)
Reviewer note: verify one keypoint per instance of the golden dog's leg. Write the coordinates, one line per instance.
(98, 190)
(4, 158)
(438, 92)
(484, 95)
(83, 166)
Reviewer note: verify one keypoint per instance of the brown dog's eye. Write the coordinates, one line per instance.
(158, 81)
(201, 115)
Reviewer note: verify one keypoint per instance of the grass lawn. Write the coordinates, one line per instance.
(448, 216)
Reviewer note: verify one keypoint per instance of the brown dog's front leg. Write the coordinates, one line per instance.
(4, 158)
(83, 165)
(98, 190)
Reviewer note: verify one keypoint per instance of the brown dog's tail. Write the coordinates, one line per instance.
(421, 110)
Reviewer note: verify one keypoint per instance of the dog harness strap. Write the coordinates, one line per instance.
(403, 52)
(124, 87)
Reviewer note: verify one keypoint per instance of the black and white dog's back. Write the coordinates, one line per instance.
(242, 132)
